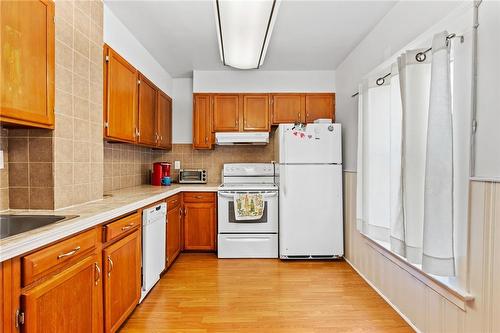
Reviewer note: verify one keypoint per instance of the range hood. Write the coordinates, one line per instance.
(241, 138)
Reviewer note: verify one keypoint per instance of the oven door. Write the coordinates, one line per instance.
(268, 223)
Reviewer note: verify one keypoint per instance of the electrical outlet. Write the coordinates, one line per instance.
(177, 165)
(1, 160)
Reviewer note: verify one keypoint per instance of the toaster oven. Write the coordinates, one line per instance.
(193, 176)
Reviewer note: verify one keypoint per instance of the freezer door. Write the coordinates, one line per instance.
(310, 210)
(319, 143)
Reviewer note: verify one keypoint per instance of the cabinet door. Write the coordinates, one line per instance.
(288, 108)
(67, 302)
(120, 93)
(122, 280)
(256, 113)
(27, 63)
(147, 112)
(202, 133)
(226, 113)
(199, 226)
(164, 118)
(320, 106)
(173, 235)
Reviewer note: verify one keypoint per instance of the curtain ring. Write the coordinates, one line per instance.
(420, 57)
(380, 81)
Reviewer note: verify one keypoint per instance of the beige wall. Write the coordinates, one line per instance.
(423, 306)
(126, 165)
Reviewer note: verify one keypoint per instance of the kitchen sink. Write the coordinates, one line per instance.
(15, 224)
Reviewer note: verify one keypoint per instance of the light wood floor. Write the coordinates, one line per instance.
(202, 294)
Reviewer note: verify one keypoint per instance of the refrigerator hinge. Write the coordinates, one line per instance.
(19, 319)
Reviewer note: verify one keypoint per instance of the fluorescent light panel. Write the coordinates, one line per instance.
(244, 28)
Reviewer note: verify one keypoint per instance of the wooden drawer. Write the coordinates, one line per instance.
(40, 263)
(199, 197)
(122, 226)
(173, 202)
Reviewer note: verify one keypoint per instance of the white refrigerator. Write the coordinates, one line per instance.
(309, 175)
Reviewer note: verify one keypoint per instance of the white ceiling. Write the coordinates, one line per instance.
(308, 35)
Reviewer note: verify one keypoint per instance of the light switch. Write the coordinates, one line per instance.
(1, 160)
(177, 165)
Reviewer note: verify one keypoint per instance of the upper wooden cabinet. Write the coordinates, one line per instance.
(120, 93)
(27, 63)
(164, 121)
(135, 110)
(147, 134)
(202, 132)
(288, 108)
(226, 112)
(304, 108)
(256, 113)
(320, 106)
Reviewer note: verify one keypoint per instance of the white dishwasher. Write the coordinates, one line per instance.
(154, 227)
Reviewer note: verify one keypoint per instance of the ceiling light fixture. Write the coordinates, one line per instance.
(244, 28)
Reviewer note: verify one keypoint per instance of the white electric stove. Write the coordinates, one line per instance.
(248, 238)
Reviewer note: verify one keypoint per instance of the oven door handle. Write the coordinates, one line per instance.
(231, 195)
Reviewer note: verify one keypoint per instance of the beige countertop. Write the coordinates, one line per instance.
(90, 214)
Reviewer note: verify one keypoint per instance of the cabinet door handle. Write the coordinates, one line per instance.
(98, 271)
(180, 213)
(111, 265)
(128, 226)
(206, 139)
(69, 254)
(198, 197)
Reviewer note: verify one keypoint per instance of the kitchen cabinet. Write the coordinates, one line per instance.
(164, 121)
(120, 95)
(256, 112)
(147, 122)
(174, 232)
(304, 108)
(66, 302)
(202, 120)
(320, 106)
(226, 112)
(199, 221)
(27, 63)
(135, 109)
(122, 279)
(288, 108)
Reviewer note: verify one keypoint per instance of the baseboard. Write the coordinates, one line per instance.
(405, 318)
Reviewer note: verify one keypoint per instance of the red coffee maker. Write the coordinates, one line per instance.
(160, 170)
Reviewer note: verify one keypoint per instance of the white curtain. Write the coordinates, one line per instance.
(405, 159)
(379, 160)
(438, 254)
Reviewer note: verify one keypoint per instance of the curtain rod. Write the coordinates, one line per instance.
(420, 57)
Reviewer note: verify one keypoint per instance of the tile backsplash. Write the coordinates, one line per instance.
(78, 145)
(126, 165)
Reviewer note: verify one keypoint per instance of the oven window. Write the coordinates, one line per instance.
(232, 218)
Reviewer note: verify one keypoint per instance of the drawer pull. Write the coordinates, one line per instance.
(111, 265)
(98, 271)
(198, 197)
(69, 254)
(128, 226)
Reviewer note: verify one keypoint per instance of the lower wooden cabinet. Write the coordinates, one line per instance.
(200, 221)
(174, 217)
(66, 302)
(122, 280)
